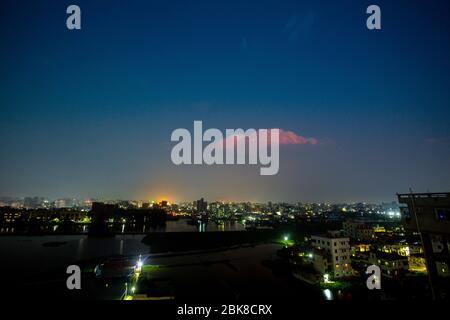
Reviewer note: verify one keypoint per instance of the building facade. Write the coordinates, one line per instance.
(358, 230)
(332, 254)
(428, 214)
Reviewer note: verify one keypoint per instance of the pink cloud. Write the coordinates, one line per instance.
(290, 137)
(285, 138)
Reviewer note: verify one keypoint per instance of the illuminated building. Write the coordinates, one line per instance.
(360, 247)
(417, 263)
(332, 254)
(392, 265)
(402, 249)
(358, 230)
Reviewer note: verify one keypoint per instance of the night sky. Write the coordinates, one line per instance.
(89, 113)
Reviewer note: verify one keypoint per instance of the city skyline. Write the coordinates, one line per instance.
(179, 199)
(89, 113)
(169, 200)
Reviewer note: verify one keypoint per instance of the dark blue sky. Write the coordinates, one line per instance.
(89, 113)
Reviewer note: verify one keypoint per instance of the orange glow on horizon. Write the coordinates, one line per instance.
(161, 197)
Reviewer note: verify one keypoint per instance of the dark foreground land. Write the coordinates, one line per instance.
(192, 241)
(239, 274)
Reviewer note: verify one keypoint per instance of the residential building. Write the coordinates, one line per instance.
(392, 265)
(358, 230)
(332, 254)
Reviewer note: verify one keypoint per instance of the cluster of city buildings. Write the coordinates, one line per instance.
(45, 203)
(44, 210)
(219, 208)
(338, 254)
(418, 246)
(419, 243)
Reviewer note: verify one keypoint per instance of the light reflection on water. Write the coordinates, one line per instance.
(332, 294)
(184, 226)
(328, 294)
(181, 225)
(28, 253)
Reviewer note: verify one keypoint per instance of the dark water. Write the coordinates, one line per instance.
(181, 225)
(237, 271)
(31, 256)
(31, 252)
(229, 272)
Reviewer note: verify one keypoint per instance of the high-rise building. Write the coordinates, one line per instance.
(428, 214)
(201, 206)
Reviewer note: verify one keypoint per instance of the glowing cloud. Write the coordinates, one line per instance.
(285, 138)
(289, 137)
